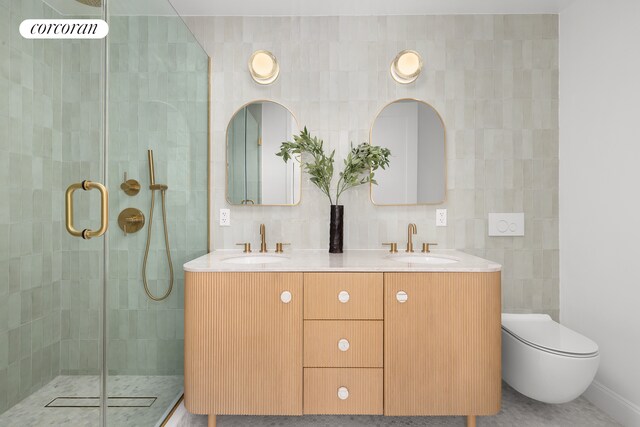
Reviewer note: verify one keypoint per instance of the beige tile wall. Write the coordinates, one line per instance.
(494, 79)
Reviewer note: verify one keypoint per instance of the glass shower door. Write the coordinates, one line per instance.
(51, 165)
(157, 100)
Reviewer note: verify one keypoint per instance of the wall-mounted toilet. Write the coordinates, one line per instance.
(544, 360)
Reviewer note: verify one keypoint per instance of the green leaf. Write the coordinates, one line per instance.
(359, 164)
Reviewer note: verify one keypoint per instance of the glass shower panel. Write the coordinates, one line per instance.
(157, 100)
(51, 110)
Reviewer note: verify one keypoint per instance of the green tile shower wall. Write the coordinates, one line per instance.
(157, 100)
(50, 112)
(31, 164)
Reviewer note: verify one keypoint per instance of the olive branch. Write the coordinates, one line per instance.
(359, 166)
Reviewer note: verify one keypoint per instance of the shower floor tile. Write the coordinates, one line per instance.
(33, 411)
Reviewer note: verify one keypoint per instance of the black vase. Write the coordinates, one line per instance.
(336, 229)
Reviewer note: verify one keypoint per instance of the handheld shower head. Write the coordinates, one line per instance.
(152, 173)
(162, 188)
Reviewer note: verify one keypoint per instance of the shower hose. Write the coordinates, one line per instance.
(166, 243)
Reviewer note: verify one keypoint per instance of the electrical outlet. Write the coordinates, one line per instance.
(225, 217)
(441, 217)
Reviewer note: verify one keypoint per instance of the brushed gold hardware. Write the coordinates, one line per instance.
(131, 220)
(247, 201)
(152, 172)
(393, 247)
(163, 190)
(263, 239)
(279, 248)
(425, 247)
(411, 229)
(104, 209)
(131, 187)
(247, 247)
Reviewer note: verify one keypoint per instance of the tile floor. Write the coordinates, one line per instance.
(31, 412)
(517, 411)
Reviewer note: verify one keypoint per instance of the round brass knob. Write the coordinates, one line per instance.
(131, 220)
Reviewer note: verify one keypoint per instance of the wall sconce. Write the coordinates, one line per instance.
(406, 66)
(263, 67)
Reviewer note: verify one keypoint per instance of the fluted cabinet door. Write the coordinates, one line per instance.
(442, 343)
(243, 343)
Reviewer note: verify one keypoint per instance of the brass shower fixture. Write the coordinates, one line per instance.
(131, 220)
(131, 187)
(162, 188)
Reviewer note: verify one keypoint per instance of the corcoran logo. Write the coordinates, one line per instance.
(64, 28)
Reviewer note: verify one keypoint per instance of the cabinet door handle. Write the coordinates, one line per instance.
(285, 297)
(402, 297)
(343, 344)
(343, 297)
(343, 393)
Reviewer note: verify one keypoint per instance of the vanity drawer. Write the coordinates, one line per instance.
(343, 295)
(343, 343)
(343, 391)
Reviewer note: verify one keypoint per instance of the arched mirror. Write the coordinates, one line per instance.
(255, 175)
(414, 132)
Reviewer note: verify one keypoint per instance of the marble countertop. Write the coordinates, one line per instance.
(351, 260)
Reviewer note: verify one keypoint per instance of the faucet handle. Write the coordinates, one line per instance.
(247, 247)
(279, 248)
(131, 187)
(393, 247)
(425, 247)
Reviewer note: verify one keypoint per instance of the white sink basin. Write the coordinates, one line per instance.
(423, 259)
(255, 259)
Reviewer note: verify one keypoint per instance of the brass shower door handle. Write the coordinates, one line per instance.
(104, 209)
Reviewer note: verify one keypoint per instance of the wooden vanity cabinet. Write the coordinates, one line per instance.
(442, 344)
(243, 343)
(374, 343)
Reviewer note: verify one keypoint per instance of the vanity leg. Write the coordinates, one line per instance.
(471, 421)
(212, 420)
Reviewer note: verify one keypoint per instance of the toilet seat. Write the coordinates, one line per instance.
(541, 332)
(545, 360)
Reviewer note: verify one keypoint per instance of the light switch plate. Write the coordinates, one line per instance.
(506, 224)
(441, 217)
(225, 217)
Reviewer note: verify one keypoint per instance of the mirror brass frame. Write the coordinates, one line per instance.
(226, 156)
(446, 169)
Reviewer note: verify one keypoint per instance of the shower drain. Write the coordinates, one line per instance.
(94, 402)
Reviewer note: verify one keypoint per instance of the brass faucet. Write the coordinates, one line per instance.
(412, 229)
(263, 239)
